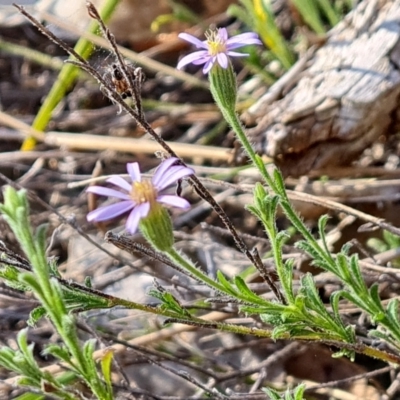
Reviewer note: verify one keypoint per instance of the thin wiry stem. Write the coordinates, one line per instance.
(140, 118)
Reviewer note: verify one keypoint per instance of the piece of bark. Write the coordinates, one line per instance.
(344, 100)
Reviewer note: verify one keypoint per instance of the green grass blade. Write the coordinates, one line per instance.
(67, 77)
(270, 34)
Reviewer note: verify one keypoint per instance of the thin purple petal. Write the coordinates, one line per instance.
(167, 173)
(120, 182)
(192, 58)
(135, 216)
(158, 175)
(209, 64)
(222, 60)
(132, 222)
(242, 40)
(193, 39)
(103, 191)
(237, 45)
(202, 60)
(172, 175)
(175, 201)
(223, 34)
(134, 171)
(236, 54)
(144, 209)
(109, 212)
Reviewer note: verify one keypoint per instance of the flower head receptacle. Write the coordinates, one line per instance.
(142, 197)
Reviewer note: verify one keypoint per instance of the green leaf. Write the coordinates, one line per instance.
(299, 392)
(10, 275)
(377, 245)
(346, 248)
(259, 194)
(29, 280)
(67, 75)
(323, 220)
(76, 299)
(286, 275)
(106, 363)
(273, 395)
(26, 350)
(334, 300)
(35, 315)
(391, 239)
(311, 294)
(30, 396)
(59, 352)
(280, 183)
(354, 298)
(379, 312)
(381, 335)
(393, 312)
(7, 359)
(88, 350)
(53, 267)
(343, 268)
(358, 280)
(240, 13)
(227, 286)
(310, 13)
(280, 332)
(40, 240)
(173, 304)
(88, 282)
(247, 293)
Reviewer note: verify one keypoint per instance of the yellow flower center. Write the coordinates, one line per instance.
(143, 192)
(215, 43)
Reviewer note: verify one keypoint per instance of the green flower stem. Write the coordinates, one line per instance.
(223, 89)
(183, 262)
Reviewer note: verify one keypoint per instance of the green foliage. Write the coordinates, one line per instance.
(319, 15)
(180, 12)
(389, 241)
(296, 394)
(42, 281)
(300, 312)
(67, 76)
(168, 301)
(257, 14)
(313, 13)
(23, 363)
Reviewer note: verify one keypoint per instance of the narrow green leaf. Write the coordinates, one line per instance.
(356, 271)
(299, 392)
(393, 312)
(59, 352)
(247, 293)
(224, 282)
(334, 300)
(343, 268)
(30, 396)
(322, 221)
(67, 76)
(374, 293)
(310, 13)
(106, 363)
(311, 294)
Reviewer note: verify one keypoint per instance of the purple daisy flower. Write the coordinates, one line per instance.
(142, 195)
(217, 48)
